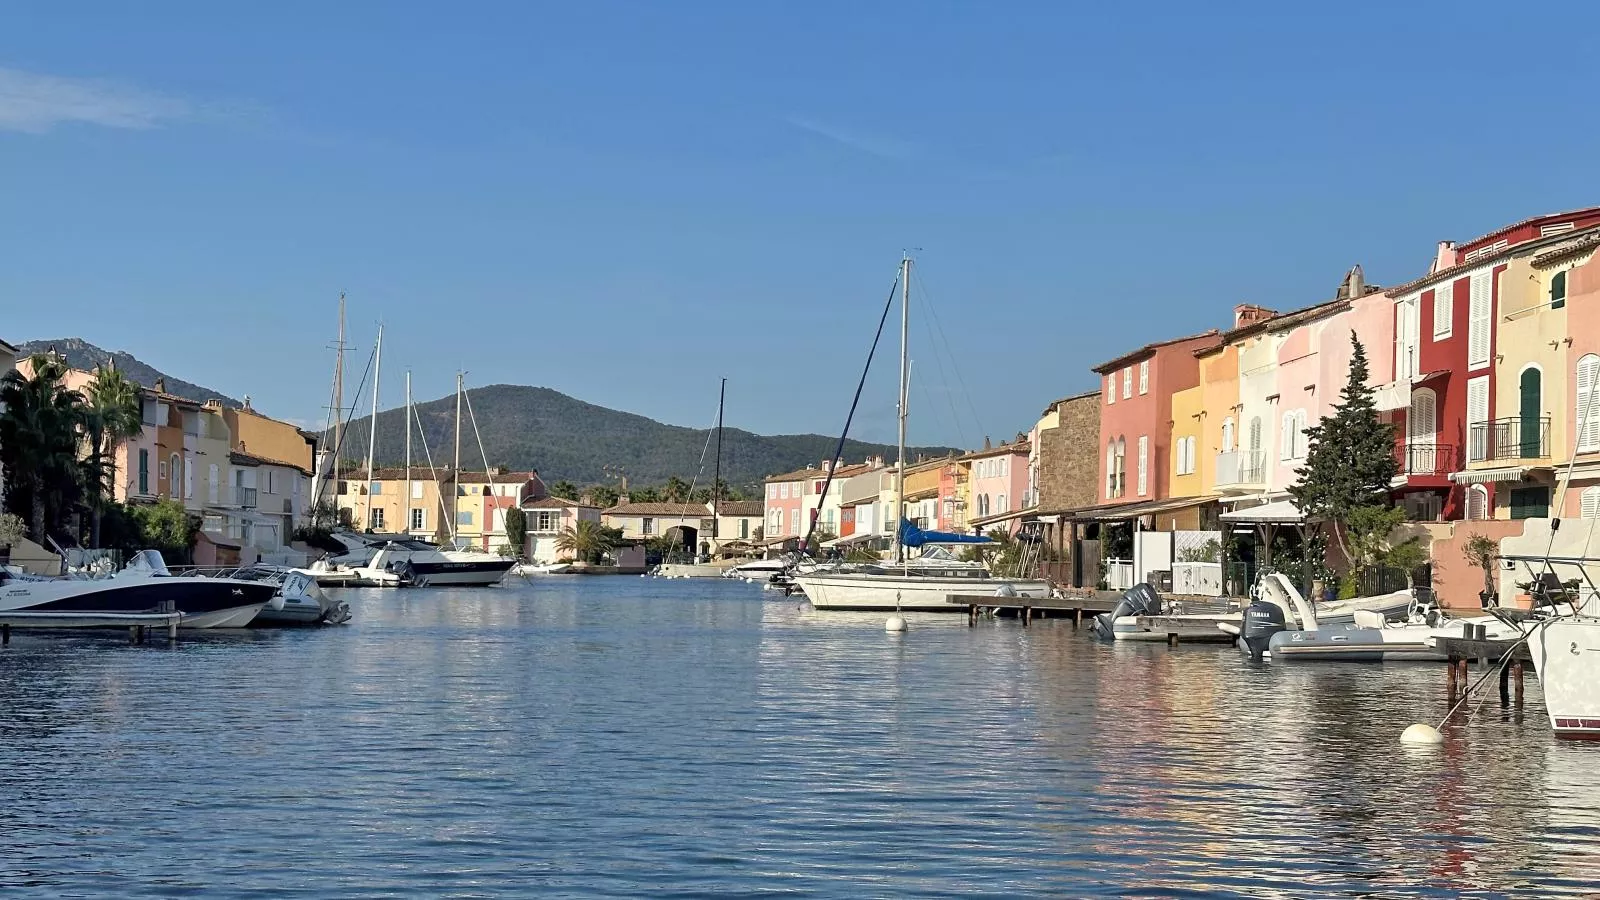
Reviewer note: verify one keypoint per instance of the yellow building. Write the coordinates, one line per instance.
(1219, 413)
(268, 438)
(1190, 464)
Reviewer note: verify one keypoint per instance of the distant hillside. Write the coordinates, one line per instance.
(81, 354)
(564, 438)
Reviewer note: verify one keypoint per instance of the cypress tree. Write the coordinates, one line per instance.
(1350, 454)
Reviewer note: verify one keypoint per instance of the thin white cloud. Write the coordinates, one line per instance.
(874, 145)
(34, 104)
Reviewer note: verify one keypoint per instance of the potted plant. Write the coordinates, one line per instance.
(1483, 552)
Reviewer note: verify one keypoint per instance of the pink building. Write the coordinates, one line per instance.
(785, 500)
(999, 481)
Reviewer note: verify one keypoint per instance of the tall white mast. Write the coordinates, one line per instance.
(338, 395)
(455, 468)
(372, 433)
(905, 378)
(406, 500)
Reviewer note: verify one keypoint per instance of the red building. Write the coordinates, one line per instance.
(1136, 415)
(1446, 343)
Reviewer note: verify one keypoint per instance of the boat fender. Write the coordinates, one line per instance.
(1005, 590)
(276, 603)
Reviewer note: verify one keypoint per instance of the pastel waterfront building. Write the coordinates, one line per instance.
(999, 482)
(547, 518)
(482, 500)
(1136, 416)
(785, 501)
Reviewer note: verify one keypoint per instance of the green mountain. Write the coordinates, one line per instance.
(565, 438)
(80, 354)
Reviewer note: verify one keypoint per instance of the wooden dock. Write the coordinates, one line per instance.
(1186, 630)
(1073, 606)
(139, 625)
(1511, 656)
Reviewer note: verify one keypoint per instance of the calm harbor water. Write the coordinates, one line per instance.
(640, 737)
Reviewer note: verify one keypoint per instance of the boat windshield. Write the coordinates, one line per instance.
(148, 562)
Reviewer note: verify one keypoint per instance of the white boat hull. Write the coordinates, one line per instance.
(1566, 654)
(910, 593)
(237, 617)
(690, 570)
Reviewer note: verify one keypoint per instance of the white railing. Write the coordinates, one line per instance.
(1119, 574)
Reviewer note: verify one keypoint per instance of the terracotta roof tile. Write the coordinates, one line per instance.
(1134, 355)
(665, 510)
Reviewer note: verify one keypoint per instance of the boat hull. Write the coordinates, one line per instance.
(1566, 655)
(907, 593)
(690, 570)
(458, 574)
(204, 602)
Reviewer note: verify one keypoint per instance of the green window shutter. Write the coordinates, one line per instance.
(1530, 503)
(1558, 290)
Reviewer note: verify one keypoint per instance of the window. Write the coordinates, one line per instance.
(1407, 327)
(344, 486)
(1529, 413)
(1111, 389)
(1144, 377)
(1588, 417)
(419, 519)
(1589, 503)
(377, 518)
(744, 529)
(1127, 383)
(1530, 502)
(1286, 438)
(416, 490)
(1479, 320)
(1001, 505)
(188, 478)
(1558, 290)
(1478, 418)
(1422, 423)
(816, 486)
(144, 471)
(1111, 471)
(1444, 309)
(1227, 435)
(464, 517)
(1144, 465)
(1122, 467)
(649, 525)
(783, 490)
(213, 482)
(1477, 503)
(173, 468)
(1185, 456)
(772, 492)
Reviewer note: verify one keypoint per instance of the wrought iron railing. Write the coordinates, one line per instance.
(1510, 438)
(1241, 467)
(1428, 459)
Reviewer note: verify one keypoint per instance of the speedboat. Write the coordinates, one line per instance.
(298, 601)
(142, 587)
(757, 569)
(540, 568)
(1373, 638)
(1129, 620)
(421, 564)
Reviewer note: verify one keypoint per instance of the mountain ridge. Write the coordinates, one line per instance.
(80, 354)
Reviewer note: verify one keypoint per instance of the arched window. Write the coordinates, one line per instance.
(1588, 417)
(1477, 503)
(1422, 419)
(1122, 466)
(1558, 290)
(1227, 435)
(1589, 503)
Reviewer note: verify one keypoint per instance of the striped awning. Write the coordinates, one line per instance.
(1488, 476)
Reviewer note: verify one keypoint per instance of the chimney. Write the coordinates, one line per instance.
(622, 495)
(1354, 285)
(246, 401)
(827, 466)
(1444, 257)
(161, 385)
(987, 444)
(1249, 314)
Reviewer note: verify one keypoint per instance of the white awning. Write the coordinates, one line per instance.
(1278, 512)
(1392, 396)
(849, 539)
(1487, 476)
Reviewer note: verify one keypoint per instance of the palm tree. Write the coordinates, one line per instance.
(112, 414)
(587, 541)
(676, 490)
(39, 441)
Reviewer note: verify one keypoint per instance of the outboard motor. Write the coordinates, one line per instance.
(1140, 600)
(1262, 620)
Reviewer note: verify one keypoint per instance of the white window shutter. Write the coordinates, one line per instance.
(1588, 406)
(1443, 309)
(1479, 320)
(1144, 377)
(1477, 417)
(1589, 504)
(1422, 424)
(1127, 383)
(1477, 503)
(1144, 465)
(1227, 435)
(1286, 437)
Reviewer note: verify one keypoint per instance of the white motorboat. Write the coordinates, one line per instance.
(690, 570)
(526, 569)
(1566, 655)
(421, 564)
(1373, 638)
(143, 586)
(922, 583)
(299, 600)
(1130, 621)
(757, 569)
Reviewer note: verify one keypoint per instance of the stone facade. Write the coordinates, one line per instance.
(1069, 462)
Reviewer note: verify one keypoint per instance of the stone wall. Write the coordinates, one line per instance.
(1069, 462)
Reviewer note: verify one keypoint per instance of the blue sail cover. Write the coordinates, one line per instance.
(912, 536)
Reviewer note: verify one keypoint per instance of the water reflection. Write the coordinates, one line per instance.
(627, 737)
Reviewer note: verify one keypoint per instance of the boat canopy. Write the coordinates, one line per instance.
(912, 536)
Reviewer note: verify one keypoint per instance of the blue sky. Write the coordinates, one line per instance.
(626, 201)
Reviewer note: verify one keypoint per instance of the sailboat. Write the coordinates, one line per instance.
(698, 569)
(925, 582)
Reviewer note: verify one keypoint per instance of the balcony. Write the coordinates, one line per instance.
(1509, 439)
(244, 497)
(1427, 460)
(1241, 469)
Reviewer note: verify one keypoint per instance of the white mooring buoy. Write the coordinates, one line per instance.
(895, 623)
(1421, 734)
